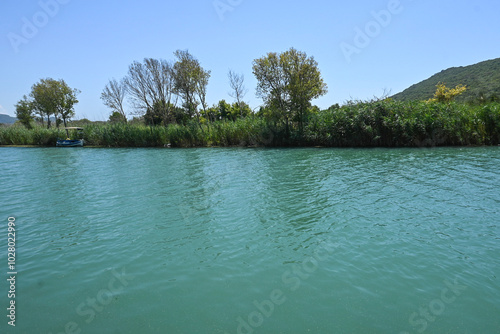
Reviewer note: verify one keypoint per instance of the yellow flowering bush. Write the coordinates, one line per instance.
(445, 94)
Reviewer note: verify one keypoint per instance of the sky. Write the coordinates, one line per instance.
(363, 48)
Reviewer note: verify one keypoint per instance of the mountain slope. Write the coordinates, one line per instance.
(482, 78)
(6, 119)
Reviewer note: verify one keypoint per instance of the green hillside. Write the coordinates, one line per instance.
(6, 119)
(482, 80)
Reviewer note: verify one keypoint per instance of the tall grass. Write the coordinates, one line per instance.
(407, 124)
(243, 132)
(123, 135)
(363, 124)
(18, 135)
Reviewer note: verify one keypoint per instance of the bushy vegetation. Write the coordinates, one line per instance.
(385, 123)
(405, 124)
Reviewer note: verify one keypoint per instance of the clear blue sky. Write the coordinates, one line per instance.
(86, 43)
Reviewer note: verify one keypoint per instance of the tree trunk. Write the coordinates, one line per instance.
(287, 129)
(301, 122)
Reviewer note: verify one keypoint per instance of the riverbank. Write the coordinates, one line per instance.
(364, 124)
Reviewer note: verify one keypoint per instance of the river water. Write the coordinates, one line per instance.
(252, 240)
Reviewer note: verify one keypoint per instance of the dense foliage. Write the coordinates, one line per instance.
(288, 82)
(48, 98)
(482, 81)
(384, 123)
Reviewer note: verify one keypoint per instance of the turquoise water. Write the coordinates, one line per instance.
(252, 240)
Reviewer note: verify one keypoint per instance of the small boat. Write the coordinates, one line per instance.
(70, 142)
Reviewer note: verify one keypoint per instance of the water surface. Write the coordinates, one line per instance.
(253, 240)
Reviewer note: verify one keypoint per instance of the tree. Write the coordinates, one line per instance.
(117, 117)
(238, 89)
(67, 101)
(288, 82)
(113, 95)
(151, 83)
(222, 110)
(272, 83)
(190, 81)
(43, 99)
(225, 111)
(24, 112)
(160, 114)
(201, 88)
(445, 94)
(241, 109)
(54, 97)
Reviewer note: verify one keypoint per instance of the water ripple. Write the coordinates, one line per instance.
(208, 233)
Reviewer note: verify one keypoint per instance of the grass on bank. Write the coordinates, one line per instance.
(406, 124)
(364, 124)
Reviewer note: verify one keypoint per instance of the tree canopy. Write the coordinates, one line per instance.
(24, 112)
(51, 97)
(288, 82)
(191, 81)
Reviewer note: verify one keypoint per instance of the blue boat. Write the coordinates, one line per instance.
(70, 142)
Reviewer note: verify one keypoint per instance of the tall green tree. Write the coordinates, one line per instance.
(190, 82)
(68, 99)
(24, 112)
(44, 101)
(201, 88)
(54, 98)
(288, 82)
